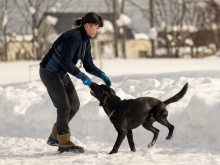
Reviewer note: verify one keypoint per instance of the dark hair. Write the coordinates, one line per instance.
(92, 18)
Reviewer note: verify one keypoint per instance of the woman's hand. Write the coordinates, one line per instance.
(106, 79)
(87, 81)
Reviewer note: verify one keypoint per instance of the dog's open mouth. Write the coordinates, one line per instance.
(91, 91)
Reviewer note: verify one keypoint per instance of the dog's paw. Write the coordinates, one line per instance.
(113, 151)
(169, 137)
(133, 149)
(151, 144)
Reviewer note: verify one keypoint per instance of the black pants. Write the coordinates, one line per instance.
(64, 97)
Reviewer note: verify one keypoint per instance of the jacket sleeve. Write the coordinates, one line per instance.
(70, 46)
(88, 62)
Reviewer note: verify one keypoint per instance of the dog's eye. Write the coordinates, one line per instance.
(103, 94)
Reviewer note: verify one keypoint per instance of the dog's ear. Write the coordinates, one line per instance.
(113, 92)
(103, 101)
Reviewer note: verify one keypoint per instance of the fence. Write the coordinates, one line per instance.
(30, 70)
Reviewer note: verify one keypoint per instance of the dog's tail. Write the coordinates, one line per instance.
(178, 96)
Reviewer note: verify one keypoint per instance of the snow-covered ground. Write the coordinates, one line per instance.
(27, 114)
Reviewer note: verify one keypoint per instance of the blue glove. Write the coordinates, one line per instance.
(106, 79)
(87, 81)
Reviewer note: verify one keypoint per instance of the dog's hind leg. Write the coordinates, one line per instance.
(130, 140)
(161, 117)
(148, 125)
(155, 132)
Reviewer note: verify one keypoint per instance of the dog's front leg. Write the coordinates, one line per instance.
(130, 140)
(120, 138)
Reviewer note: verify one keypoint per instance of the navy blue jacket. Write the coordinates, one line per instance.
(62, 57)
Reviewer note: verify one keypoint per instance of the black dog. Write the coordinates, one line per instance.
(129, 114)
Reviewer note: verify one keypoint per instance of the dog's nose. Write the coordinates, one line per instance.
(93, 84)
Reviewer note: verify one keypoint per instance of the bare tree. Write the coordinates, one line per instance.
(108, 4)
(179, 35)
(162, 20)
(143, 9)
(115, 17)
(147, 11)
(3, 29)
(124, 27)
(32, 11)
(171, 18)
(213, 9)
(151, 6)
(197, 16)
(117, 8)
(172, 15)
(181, 20)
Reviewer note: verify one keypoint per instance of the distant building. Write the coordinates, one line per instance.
(20, 48)
(198, 43)
(54, 24)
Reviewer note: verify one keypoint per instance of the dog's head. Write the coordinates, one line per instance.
(101, 92)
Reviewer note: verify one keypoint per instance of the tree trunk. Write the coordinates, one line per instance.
(5, 55)
(152, 26)
(4, 14)
(123, 40)
(115, 27)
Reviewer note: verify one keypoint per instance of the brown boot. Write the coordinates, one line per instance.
(52, 140)
(65, 145)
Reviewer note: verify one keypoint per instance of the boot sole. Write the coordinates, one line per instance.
(74, 150)
(52, 142)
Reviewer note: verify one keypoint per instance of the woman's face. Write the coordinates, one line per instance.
(91, 29)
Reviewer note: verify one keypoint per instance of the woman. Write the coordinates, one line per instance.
(61, 59)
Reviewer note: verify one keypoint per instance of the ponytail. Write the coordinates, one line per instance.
(92, 18)
(78, 22)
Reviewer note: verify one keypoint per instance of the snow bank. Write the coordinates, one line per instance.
(27, 114)
(27, 111)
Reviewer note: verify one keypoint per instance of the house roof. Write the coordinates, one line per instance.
(65, 21)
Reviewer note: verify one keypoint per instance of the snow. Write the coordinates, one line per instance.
(153, 33)
(123, 20)
(170, 38)
(189, 42)
(108, 52)
(53, 9)
(5, 19)
(185, 27)
(141, 36)
(214, 26)
(163, 25)
(108, 27)
(23, 37)
(190, 28)
(51, 20)
(160, 51)
(27, 114)
(32, 10)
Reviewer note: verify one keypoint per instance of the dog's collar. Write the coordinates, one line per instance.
(112, 113)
